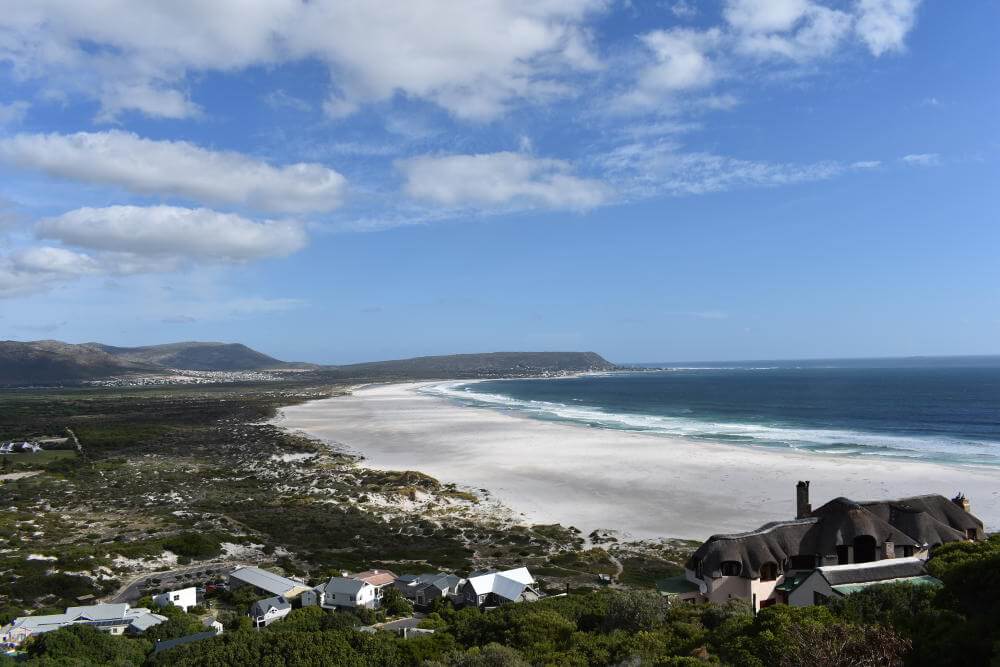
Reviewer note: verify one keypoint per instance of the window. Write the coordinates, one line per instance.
(803, 562)
(768, 571)
(970, 533)
(907, 550)
(731, 568)
(819, 598)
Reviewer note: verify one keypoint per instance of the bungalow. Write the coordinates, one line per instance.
(492, 589)
(423, 589)
(184, 598)
(835, 581)
(266, 582)
(343, 593)
(115, 619)
(267, 611)
(380, 579)
(763, 566)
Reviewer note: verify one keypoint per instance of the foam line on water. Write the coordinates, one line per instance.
(829, 442)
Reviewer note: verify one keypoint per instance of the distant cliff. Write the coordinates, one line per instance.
(491, 364)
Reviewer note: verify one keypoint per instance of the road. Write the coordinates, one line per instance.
(183, 577)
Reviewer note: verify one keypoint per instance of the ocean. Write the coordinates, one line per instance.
(941, 410)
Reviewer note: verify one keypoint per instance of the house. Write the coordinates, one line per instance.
(267, 611)
(116, 619)
(184, 598)
(423, 589)
(343, 593)
(266, 582)
(763, 566)
(380, 579)
(492, 589)
(833, 581)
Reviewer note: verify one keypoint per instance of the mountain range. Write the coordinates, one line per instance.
(56, 362)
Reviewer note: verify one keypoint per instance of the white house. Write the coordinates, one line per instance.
(491, 589)
(115, 619)
(184, 598)
(833, 581)
(343, 593)
(267, 611)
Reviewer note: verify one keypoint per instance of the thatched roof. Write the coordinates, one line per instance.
(916, 522)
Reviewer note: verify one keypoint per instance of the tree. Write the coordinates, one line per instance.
(394, 603)
(86, 645)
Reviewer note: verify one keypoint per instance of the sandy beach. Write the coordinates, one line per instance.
(644, 486)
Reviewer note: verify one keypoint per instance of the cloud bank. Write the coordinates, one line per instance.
(178, 168)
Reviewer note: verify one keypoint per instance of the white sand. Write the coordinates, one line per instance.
(644, 486)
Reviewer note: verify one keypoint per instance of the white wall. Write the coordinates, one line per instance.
(184, 598)
(803, 595)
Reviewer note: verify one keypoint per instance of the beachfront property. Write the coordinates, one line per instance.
(184, 598)
(766, 566)
(116, 619)
(266, 582)
(267, 611)
(492, 589)
(343, 593)
(834, 581)
(423, 589)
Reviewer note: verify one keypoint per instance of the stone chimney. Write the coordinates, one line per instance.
(802, 506)
(962, 502)
(888, 549)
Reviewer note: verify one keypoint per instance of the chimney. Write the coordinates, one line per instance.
(962, 502)
(802, 506)
(888, 550)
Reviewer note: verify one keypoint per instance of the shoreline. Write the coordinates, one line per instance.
(640, 485)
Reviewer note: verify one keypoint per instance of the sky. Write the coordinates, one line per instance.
(348, 181)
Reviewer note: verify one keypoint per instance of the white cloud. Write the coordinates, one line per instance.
(474, 59)
(922, 159)
(758, 37)
(177, 168)
(152, 100)
(645, 169)
(34, 270)
(500, 179)
(794, 29)
(14, 112)
(884, 24)
(173, 233)
(682, 60)
(684, 10)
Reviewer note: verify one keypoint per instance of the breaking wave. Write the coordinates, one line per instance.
(827, 442)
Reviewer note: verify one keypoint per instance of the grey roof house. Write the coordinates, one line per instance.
(423, 589)
(266, 582)
(834, 581)
(343, 592)
(115, 619)
(267, 611)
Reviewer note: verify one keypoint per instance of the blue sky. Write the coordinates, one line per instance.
(340, 181)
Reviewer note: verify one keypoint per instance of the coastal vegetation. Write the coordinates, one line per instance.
(170, 476)
(891, 625)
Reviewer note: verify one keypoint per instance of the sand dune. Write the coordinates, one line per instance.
(642, 485)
